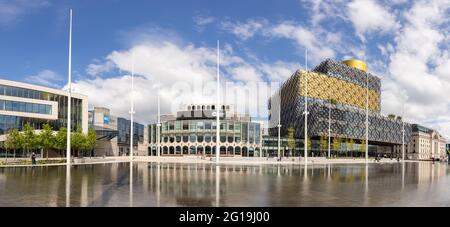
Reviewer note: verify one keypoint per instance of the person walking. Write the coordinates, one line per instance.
(33, 159)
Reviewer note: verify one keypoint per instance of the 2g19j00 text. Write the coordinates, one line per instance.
(251, 217)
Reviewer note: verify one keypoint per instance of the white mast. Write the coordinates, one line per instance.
(305, 141)
(69, 97)
(158, 126)
(218, 108)
(403, 133)
(132, 109)
(367, 119)
(329, 129)
(279, 123)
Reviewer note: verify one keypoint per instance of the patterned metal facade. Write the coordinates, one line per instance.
(339, 90)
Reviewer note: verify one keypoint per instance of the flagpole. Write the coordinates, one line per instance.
(305, 142)
(132, 109)
(69, 97)
(218, 107)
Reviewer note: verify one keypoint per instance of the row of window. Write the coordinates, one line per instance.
(25, 107)
(207, 138)
(197, 125)
(24, 93)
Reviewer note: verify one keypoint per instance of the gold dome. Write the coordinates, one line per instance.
(356, 64)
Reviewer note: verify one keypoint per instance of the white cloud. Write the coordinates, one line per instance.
(45, 77)
(12, 10)
(187, 75)
(96, 69)
(369, 16)
(244, 30)
(303, 37)
(418, 66)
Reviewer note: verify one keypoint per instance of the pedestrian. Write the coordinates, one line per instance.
(33, 158)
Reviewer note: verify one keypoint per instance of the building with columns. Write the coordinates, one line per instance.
(426, 144)
(193, 132)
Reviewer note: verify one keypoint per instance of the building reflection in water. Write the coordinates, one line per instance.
(172, 184)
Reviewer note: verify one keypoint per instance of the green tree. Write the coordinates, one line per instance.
(60, 140)
(391, 116)
(323, 142)
(14, 140)
(30, 140)
(77, 141)
(46, 138)
(336, 144)
(291, 140)
(350, 145)
(362, 147)
(90, 141)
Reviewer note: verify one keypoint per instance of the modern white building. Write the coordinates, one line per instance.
(22, 103)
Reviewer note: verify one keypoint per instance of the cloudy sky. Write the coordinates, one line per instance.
(173, 44)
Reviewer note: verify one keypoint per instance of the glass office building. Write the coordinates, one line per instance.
(22, 103)
(193, 132)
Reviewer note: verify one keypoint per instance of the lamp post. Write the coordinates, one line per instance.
(279, 124)
(305, 142)
(367, 118)
(158, 126)
(218, 108)
(69, 97)
(329, 130)
(403, 133)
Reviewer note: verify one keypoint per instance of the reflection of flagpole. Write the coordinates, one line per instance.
(305, 142)
(131, 184)
(69, 98)
(218, 108)
(68, 185)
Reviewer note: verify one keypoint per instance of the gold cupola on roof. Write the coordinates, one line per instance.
(356, 64)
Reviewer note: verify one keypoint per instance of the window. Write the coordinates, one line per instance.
(8, 91)
(208, 125)
(200, 125)
(193, 138)
(185, 125)
(35, 108)
(2, 90)
(2, 105)
(8, 105)
(29, 108)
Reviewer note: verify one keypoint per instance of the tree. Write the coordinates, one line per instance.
(336, 144)
(362, 147)
(291, 139)
(391, 116)
(323, 142)
(46, 138)
(13, 140)
(350, 145)
(91, 139)
(77, 141)
(30, 140)
(60, 140)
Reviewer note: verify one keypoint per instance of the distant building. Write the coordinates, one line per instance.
(113, 134)
(193, 132)
(426, 144)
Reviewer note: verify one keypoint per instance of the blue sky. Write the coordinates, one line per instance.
(406, 43)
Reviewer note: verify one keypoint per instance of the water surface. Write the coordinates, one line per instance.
(170, 184)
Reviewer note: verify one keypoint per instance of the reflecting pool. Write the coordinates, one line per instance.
(171, 184)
